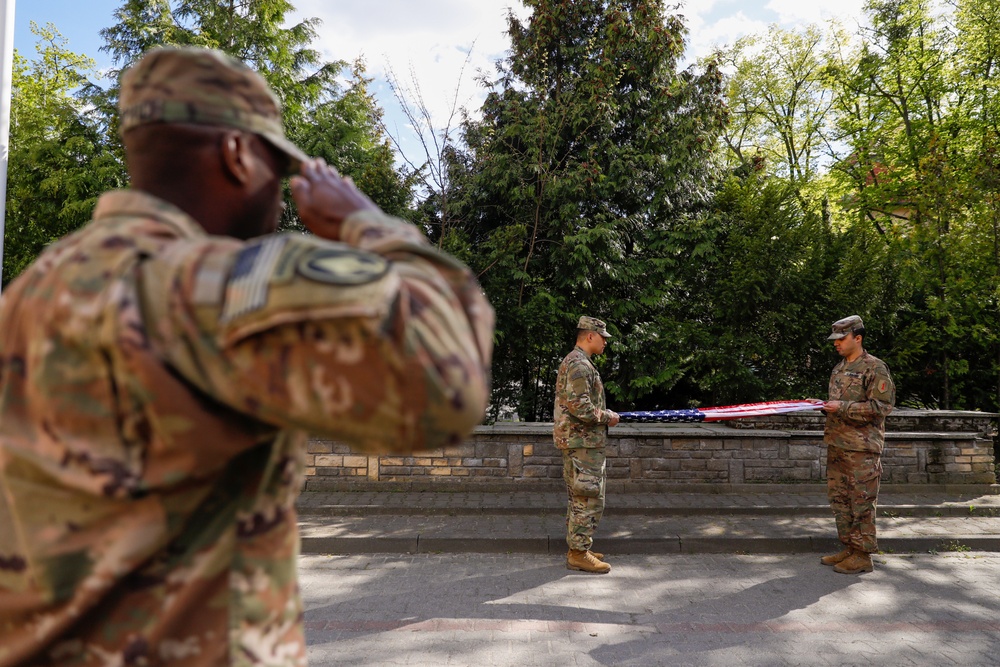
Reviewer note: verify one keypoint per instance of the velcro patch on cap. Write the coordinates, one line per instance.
(247, 288)
(342, 266)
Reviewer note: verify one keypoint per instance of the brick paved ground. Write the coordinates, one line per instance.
(526, 610)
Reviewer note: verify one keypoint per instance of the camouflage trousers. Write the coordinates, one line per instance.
(852, 480)
(583, 470)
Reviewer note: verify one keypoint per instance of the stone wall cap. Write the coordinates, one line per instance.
(639, 430)
(909, 412)
(932, 435)
(710, 431)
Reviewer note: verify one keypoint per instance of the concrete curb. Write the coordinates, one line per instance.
(556, 545)
(613, 486)
(778, 523)
(815, 510)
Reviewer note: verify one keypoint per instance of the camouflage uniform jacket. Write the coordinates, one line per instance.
(580, 418)
(866, 392)
(156, 388)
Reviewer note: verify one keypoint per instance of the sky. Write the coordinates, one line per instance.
(426, 42)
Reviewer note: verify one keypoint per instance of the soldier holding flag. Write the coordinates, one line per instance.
(580, 430)
(861, 395)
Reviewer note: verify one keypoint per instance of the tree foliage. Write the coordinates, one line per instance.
(719, 223)
(59, 161)
(591, 150)
(326, 106)
(909, 123)
(779, 101)
(912, 117)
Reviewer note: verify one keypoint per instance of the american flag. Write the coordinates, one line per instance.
(720, 413)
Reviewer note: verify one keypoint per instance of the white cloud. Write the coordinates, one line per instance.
(432, 38)
(690, 8)
(797, 12)
(707, 37)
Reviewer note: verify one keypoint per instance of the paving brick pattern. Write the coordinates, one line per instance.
(528, 610)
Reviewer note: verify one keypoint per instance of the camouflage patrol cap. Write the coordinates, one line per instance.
(205, 87)
(846, 326)
(593, 324)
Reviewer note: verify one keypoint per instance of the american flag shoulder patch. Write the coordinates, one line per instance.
(247, 287)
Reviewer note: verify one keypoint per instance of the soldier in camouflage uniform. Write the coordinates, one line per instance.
(861, 395)
(580, 430)
(159, 374)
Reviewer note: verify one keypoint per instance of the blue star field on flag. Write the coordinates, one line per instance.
(664, 416)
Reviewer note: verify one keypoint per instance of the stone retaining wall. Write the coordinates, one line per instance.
(922, 447)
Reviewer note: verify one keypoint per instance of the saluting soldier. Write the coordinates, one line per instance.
(161, 367)
(861, 395)
(580, 430)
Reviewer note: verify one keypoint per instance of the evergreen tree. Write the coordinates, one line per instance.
(347, 132)
(591, 149)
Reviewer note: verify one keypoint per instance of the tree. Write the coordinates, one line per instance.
(347, 131)
(906, 115)
(591, 150)
(59, 163)
(252, 30)
(438, 145)
(977, 79)
(759, 295)
(779, 101)
(340, 122)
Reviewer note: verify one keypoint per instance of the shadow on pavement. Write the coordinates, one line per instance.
(652, 610)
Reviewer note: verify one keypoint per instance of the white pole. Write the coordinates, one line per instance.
(6, 94)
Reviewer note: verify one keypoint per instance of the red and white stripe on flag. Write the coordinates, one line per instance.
(756, 409)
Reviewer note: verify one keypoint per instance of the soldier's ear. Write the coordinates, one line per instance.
(237, 155)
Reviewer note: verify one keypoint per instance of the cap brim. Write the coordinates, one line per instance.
(605, 334)
(294, 154)
(836, 336)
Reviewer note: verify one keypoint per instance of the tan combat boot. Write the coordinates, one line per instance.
(596, 554)
(585, 562)
(858, 562)
(836, 558)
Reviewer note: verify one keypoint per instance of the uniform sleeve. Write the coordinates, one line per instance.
(380, 341)
(578, 402)
(880, 395)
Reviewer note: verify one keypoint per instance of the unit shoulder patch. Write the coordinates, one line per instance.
(342, 266)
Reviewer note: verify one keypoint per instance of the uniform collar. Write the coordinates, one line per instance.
(131, 203)
(582, 351)
(845, 363)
